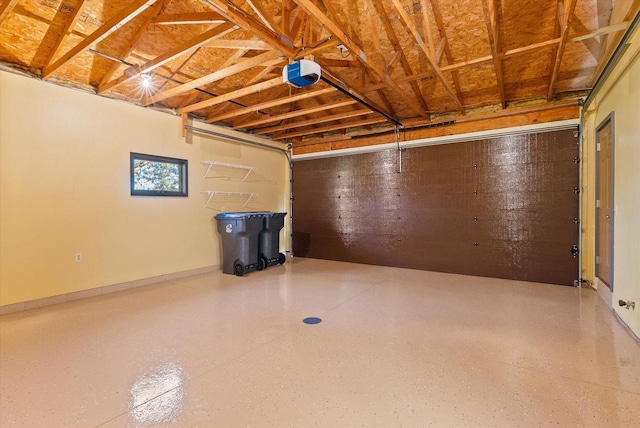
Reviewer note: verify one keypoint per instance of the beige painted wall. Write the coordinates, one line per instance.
(620, 95)
(64, 189)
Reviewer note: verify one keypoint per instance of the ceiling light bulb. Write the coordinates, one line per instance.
(145, 80)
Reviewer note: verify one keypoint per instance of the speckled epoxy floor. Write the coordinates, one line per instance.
(395, 348)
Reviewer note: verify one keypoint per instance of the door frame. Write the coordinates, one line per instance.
(610, 119)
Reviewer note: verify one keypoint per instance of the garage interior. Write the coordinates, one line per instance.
(461, 186)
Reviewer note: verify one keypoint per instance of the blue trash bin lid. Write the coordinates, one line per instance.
(239, 215)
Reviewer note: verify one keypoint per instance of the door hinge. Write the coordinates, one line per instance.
(576, 190)
(597, 147)
(597, 259)
(597, 203)
(575, 251)
(575, 220)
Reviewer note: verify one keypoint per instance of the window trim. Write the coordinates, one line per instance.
(184, 182)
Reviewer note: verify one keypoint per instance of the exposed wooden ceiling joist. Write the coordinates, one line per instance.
(437, 15)
(189, 18)
(113, 24)
(220, 74)
(565, 19)
(332, 128)
(68, 27)
(425, 49)
(318, 15)
(273, 103)
(155, 10)
(6, 7)
(303, 112)
(309, 122)
(252, 25)
(491, 18)
(137, 70)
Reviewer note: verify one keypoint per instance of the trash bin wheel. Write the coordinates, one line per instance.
(282, 258)
(238, 268)
(262, 263)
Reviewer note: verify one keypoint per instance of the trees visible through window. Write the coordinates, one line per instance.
(158, 176)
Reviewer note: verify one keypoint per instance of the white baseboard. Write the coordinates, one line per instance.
(76, 295)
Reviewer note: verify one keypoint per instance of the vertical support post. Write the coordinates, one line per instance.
(185, 117)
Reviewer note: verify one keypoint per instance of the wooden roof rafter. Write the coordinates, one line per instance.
(336, 31)
(400, 55)
(157, 9)
(263, 14)
(491, 18)
(248, 90)
(6, 7)
(309, 122)
(68, 27)
(297, 113)
(331, 128)
(113, 24)
(259, 60)
(425, 49)
(189, 46)
(272, 103)
(566, 9)
(189, 18)
(248, 23)
(437, 14)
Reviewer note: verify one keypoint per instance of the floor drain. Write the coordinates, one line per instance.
(312, 320)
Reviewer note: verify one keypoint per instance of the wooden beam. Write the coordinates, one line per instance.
(427, 27)
(117, 21)
(297, 113)
(157, 9)
(440, 50)
(468, 63)
(6, 7)
(189, 18)
(333, 128)
(252, 25)
(305, 51)
(327, 76)
(425, 49)
(195, 43)
(331, 118)
(271, 103)
(68, 27)
(232, 95)
(528, 48)
(397, 47)
(264, 15)
(256, 45)
(569, 8)
(491, 19)
(601, 31)
(437, 14)
(539, 113)
(357, 52)
(220, 74)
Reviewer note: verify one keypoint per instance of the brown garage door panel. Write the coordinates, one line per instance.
(502, 207)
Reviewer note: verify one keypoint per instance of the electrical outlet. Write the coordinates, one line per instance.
(78, 257)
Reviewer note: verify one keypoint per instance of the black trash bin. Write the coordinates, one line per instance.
(269, 242)
(240, 234)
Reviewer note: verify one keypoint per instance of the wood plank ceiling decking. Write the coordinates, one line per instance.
(386, 64)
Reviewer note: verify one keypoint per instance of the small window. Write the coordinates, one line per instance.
(158, 176)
